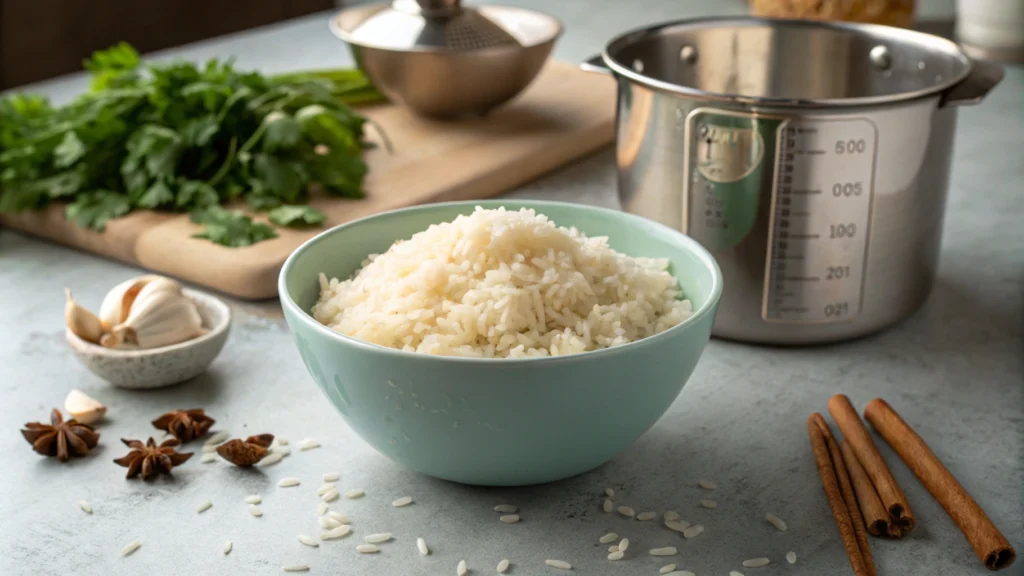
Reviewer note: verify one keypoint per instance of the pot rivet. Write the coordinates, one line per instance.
(921, 65)
(688, 53)
(881, 57)
(638, 65)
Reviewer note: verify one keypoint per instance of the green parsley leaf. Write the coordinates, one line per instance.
(262, 202)
(69, 151)
(198, 194)
(159, 194)
(297, 216)
(230, 227)
(282, 132)
(93, 209)
(283, 179)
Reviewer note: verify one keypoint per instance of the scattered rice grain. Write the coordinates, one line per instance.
(756, 562)
(421, 545)
(308, 541)
(307, 444)
(666, 568)
(209, 449)
(616, 555)
(271, 459)
(644, 516)
(296, 568)
(321, 509)
(613, 548)
(626, 511)
(677, 525)
(671, 515)
(707, 484)
(378, 538)
(693, 531)
(288, 482)
(609, 492)
(608, 505)
(461, 569)
(509, 518)
(335, 533)
(130, 548)
(282, 441)
(325, 488)
(503, 566)
(217, 438)
(624, 545)
(735, 573)
(560, 564)
(282, 450)
(355, 493)
(609, 537)
(709, 503)
(335, 515)
(227, 547)
(681, 573)
(331, 477)
(255, 510)
(665, 551)
(253, 499)
(776, 521)
(505, 509)
(85, 506)
(204, 506)
(403, 501)
(208, 458)
(791, 557)
(328, 523)
(367, 549)
(330, 496)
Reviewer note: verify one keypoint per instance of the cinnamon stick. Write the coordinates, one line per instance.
(870, 458)
(840, 495)
(988, 542)
(876, 518)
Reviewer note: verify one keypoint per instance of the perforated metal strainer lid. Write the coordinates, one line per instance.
(440, 25)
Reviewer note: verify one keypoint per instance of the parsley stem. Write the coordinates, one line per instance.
(227, 164)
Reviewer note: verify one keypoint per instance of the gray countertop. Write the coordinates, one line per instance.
(954, 371)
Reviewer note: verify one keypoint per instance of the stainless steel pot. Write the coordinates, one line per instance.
(812, 159)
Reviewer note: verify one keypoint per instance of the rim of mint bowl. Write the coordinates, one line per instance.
(705, 257)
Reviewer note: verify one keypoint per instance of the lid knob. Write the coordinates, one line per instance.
(428, 8)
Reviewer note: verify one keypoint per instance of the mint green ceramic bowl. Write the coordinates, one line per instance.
(499, 422)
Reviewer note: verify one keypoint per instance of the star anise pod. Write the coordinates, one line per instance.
(150, 459)
(185, 424)
(60, 438)
(247, 452)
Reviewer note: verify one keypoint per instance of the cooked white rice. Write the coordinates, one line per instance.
(502, 284)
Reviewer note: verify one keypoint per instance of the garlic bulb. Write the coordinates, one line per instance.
(160, 316)
(118, 302)
(83, 323)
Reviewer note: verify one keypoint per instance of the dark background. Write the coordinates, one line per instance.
(41, 39)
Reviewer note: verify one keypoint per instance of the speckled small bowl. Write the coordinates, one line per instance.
(158, 367)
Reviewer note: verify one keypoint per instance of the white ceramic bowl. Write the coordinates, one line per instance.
(141, 369)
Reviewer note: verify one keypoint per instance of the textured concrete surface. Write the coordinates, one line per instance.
(954, 370)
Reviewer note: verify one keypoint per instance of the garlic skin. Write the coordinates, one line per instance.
(160, 316)
(82, 322)
(83, 408)
(118, 302)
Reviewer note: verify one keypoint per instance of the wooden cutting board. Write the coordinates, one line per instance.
(565, 114)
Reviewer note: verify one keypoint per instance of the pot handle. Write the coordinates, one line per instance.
(595, 64)
(984, 76)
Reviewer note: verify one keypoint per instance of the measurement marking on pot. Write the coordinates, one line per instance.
(821, 208)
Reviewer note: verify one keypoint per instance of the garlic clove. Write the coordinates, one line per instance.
(118, 301)
(158, 317)
(83, 408)
(156, 284)
(82, 322)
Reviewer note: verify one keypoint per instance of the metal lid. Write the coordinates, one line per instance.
(428, 25)
(788, 62)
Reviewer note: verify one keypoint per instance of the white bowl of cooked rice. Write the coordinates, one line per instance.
(501, 342)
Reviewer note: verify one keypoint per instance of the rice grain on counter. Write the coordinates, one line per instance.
(500, 284)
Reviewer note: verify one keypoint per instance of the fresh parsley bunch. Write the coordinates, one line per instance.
(186, 138)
